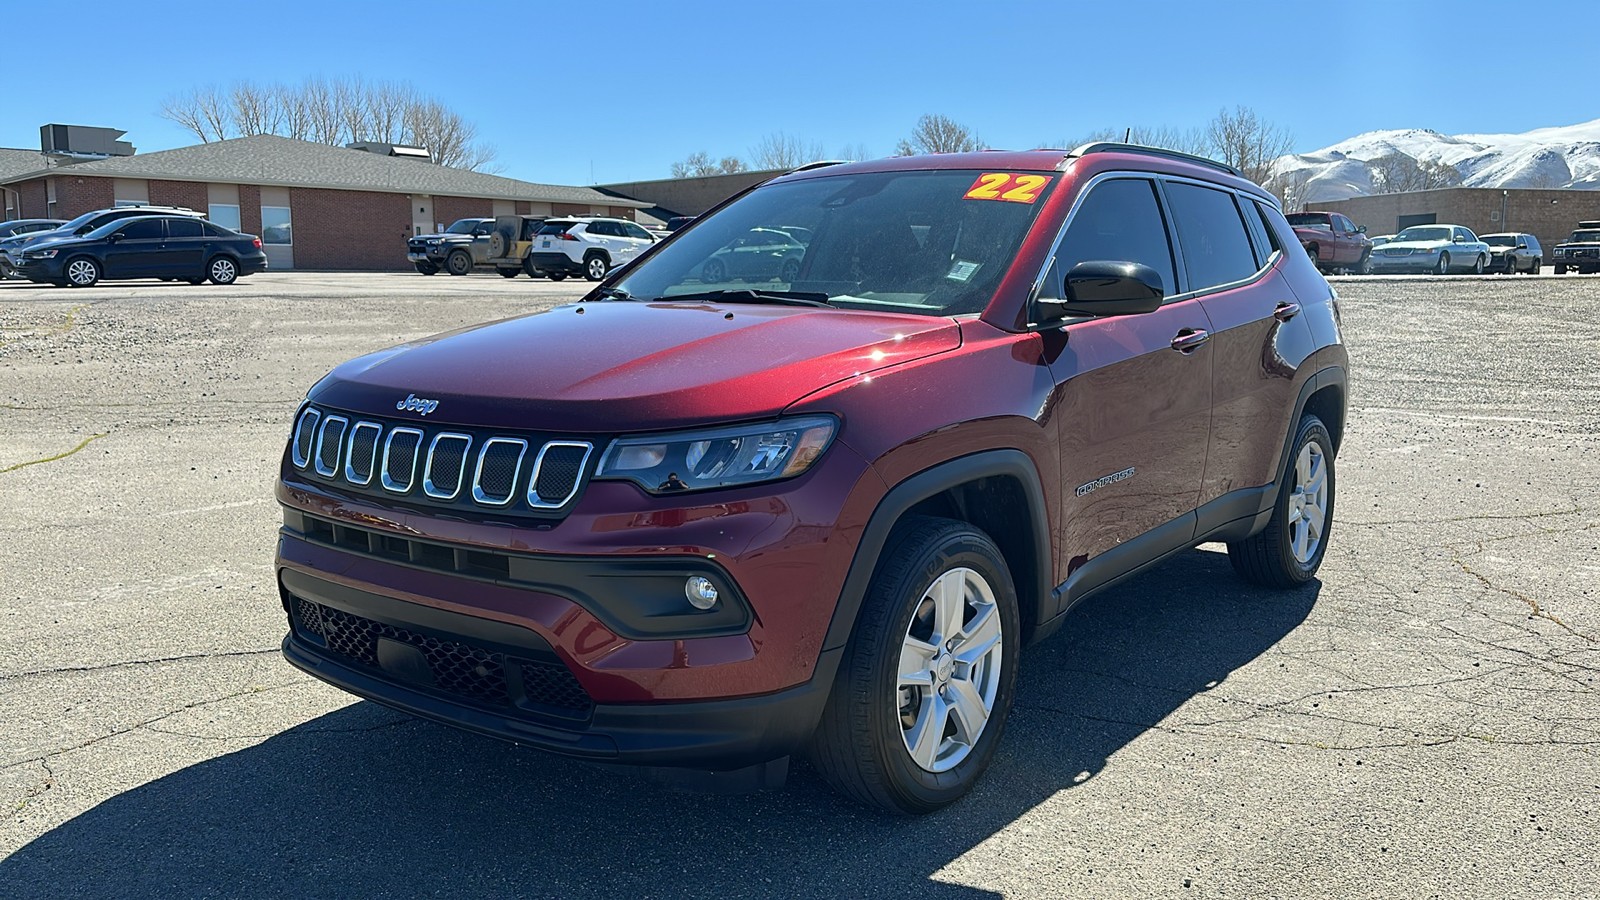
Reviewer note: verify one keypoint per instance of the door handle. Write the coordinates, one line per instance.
(1286, 311)
(1189, 339)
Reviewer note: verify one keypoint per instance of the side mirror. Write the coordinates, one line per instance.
(1522, 246)
(1458, 239)
(1104, 288)
(1361, 229)
(114, 237)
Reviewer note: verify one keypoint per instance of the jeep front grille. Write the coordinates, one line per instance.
(448, 467)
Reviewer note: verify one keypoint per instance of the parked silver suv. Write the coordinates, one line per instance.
(589, 246)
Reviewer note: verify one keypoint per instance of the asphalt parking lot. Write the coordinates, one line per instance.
(1422, 721)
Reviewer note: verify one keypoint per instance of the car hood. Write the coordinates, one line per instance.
(1417, 245)
(628, 366)
(38, 237)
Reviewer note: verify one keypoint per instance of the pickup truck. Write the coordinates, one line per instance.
(1332, 241)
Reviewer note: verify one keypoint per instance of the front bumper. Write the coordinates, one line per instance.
(1415, 262)
(40, 269)
(503, 680)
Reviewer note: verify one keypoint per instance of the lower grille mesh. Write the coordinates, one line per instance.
(463, 669)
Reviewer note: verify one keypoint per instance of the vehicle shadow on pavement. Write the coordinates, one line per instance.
(366, 802)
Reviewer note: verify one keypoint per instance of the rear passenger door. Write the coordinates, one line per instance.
(1133, 394)
(637, 238)
(185, 253)
(1233, 261)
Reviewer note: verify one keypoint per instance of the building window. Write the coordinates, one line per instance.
(226, 215)
(275, 225)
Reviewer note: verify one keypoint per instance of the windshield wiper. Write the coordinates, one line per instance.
(753, 295)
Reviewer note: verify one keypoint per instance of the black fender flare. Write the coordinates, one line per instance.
(928, 483)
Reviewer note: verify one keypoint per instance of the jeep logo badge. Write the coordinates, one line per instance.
(415, 404)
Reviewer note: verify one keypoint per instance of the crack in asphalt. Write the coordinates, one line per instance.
(1535, 608)
(253, 689)
(1487, 517)
(29, 794)
(13, 676)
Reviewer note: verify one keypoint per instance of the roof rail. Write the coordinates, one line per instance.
(1115, 147)
(821, 163)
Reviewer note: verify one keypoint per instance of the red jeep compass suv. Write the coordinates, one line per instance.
(707, 525)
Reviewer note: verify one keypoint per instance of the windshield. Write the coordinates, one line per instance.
(80, 221)
(932, 243)
(1500, 240)
(462, 226)
(1310, 220)
(108, 227)
(1585, 237)
(1440, 233)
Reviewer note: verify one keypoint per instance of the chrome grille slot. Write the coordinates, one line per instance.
(305, 435)
(362, 455)
(494, 481)
(557, 473)
(447, 462)
(329, 439)
(400, 459)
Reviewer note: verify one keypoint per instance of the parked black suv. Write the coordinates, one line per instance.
(172, 247)
(456, 249)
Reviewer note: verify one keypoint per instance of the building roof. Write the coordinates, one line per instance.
(19, 162)
(267, 159)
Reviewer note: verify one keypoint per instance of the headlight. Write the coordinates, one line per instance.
(40, 254)
(719, 457)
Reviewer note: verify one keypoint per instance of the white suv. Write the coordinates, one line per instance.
(586, 245)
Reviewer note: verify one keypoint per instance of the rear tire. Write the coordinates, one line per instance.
(595, 266)
(556, 276)
(923, 691)
(713, 271)
(507, 273)
(528, 269)
(459, 262)
(222, 270)
(1478, 265)
(1538, 263)
(1289, 550)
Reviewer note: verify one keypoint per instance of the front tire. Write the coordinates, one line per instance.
(927, 680)
(556, 276)
(1443, 265)
(507, 273)
(1288, 552)
(222, 270)
(1561, 270)
(82, 272)
(713, 271)
(459, 262)
(427, 268)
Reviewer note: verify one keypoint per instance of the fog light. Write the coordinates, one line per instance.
(701, 592)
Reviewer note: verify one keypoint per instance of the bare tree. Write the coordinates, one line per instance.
(700, 164)
(939, 134)
(335, 112)
(1400, 172)
(1292, 188)
(857, 151)
(1247, 142)
(784, 151)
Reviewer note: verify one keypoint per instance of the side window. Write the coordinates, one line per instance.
(483, 229)
(144, 229)
(635, 231)
(601, 229)
(1216, 249)
(215, 230)
(1343, 224)
(1119, 221)
(184, 228)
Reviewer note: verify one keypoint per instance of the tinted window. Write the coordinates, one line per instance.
(1216, 249)
(184, 228)
(1533, 242)
(1119, 221)
(214, 230)
(556, 227)
(1310, 220)
(143, 229)
(1260, 233)
(634, 231)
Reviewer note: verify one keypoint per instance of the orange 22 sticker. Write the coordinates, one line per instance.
(1007, 186)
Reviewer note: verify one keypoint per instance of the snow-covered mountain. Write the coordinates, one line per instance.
(1564, 157)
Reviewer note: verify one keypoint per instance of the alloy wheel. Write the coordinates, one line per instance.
(949, 670)
(1308, 505)
(223, 271)
(82, 272)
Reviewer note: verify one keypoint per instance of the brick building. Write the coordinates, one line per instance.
(1548, 215)
(314, 206)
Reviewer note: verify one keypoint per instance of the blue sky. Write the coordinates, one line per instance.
(619, 90)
